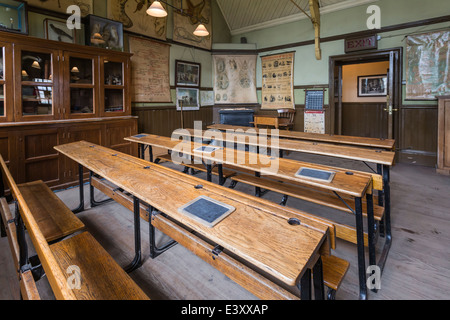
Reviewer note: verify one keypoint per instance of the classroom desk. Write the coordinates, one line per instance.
(373, 150)
(386, 144)
(351, 183)
(285, 251)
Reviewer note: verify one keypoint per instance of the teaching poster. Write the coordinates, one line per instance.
(427, 65)
(278, 81)
(150, 81)
(235, 79)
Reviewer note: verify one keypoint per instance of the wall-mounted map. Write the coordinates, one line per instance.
(197, 11)
(235, 79)
(135, 19)
(86, 6)
(427, 61)
(278, 81)
(150, 80)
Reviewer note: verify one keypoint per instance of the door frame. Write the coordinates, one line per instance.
(365, 57)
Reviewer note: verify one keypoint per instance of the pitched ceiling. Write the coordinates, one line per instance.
(248, 15)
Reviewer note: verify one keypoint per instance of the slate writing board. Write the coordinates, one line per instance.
(206, 210)
(315, 174)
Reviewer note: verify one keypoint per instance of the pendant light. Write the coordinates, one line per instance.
(201, 31)
(156, 10)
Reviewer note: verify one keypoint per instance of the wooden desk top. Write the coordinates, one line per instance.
(355, 184)
(387, 144)
(253, 231)
(324, 149)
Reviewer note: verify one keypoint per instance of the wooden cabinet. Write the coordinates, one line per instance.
(53, 93)
(443, 165)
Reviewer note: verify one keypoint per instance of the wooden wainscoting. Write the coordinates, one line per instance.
(164, 120)
(418, 134)
(364, 119)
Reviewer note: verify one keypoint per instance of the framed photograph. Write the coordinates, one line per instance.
(14, 16)
(187, 74)
(104, 33)
(188, 99)
(57, 30)
(372, 86)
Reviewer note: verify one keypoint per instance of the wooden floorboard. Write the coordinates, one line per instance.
(418, 266)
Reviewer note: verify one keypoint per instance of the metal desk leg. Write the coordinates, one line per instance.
(360, 249)
(371, 231)
(137, 262)
(220, 170)
(319, 287)
(150, 153)
(387, 219)
(95, 203)
(305, 285)
(80, 207)
(154, 250)
(209, 172)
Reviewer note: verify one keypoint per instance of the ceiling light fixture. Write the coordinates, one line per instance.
(157, 10)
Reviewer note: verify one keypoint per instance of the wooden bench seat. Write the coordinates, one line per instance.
(334, 271)
(101, 278)
(200, 167)
(55, 220)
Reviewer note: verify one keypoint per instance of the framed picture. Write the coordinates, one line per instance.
(187, 74)
(188, 99)
(372, 86)
(14, 16)
(57, 30)
(104, 33)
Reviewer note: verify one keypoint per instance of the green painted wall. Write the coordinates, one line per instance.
(309, 71)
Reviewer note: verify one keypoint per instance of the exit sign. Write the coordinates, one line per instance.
(360, 44)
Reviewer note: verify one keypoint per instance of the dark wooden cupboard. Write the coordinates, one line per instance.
(54, 93)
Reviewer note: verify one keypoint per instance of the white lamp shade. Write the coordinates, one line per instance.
(75, 70)
(201, 31)
(156, 10)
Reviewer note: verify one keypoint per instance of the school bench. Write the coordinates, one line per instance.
(61, 243)
(244, 254)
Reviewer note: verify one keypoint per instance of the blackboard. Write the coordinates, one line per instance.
(314, 100)
(315, 174)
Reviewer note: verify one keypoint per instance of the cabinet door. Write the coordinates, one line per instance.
(88, 132)
(37, 84)
(81, 86)
(115, 76)
(117, 131)
(37, 159)
(6, 83)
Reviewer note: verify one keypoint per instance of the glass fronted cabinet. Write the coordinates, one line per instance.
(36, 89)
(6, 83)
(80, 85)
(115, 96)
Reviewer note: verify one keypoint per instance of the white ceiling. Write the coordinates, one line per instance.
(248, 15)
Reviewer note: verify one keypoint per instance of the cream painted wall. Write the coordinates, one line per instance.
(350, 74)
